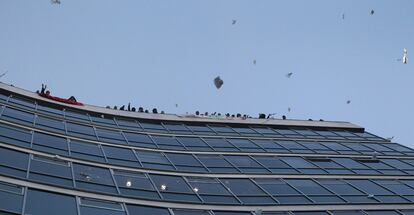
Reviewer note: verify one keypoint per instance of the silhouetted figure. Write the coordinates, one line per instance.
(42, 91)
(219, 114)
(262, 116)
(227, 115)
(206, 114)
(72, 99)
(310, 119)
(154, 110)
(122, 107)
(233, 115)
(115, 107)
(283, 117)
(140, 109)
(321, 120)
(133, 109)
(47, 92)
(162, 112)
(129, 106)
(238, 115)
(197, 113)
(146, 111)
(213, 114)
(108, 107)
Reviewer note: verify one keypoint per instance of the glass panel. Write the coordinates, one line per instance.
(50, 124)
(138, 210)
(190, 212)
(148, 160)
(48, 110)
(17, 116)
(50, 171)
(50, 144)
(176, 128)
(339, 187)
(223, 129)
(220, 144)
(128, 123)
(347, 212)
(183, 159)
(75, 115)
(369, 187)
(15, 136)
(308, 187)
(80, 131)
(98, 207)
(242, 187)
(11, 198)
(297, 162)
(105, 121)
(192, 142)
(396, 187)
(200, 129)
(349, 163)
(22, 102)
(242, 161)
(40, 203)
(381, 212)
(87, 151)
(153, 126)
(335, 146)
(167, 142)
(166, 183)
(276, 187)
(141, 140)
(290, 144)
(110, 136)
(13, 163)
(120, 156)
(93, 178)
(244, 144)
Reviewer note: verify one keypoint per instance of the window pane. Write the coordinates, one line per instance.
(138, 210)
(50, 124)
(297, 162)
(276, 187)
(80, 131)
(110, 136)
(40, 203)
(87, 151)
(49, 143)
(369, 187)
(99, 207)
(15, 136)
(308, 187)
(340, 187)
(242, 187)
(120, 156)
(13, 163)
(17, 116)
(50, 171)
(93, 178)
(11, 198)
(141, 140)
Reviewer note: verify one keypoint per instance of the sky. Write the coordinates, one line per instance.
(158, 53)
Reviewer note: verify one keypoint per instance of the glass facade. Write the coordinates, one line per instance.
(59, 160)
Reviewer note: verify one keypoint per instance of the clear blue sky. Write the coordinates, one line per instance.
(158, 53)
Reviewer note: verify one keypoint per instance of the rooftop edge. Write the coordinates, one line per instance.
(187, 118)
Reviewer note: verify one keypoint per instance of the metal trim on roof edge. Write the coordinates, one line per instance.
(188, 118)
